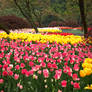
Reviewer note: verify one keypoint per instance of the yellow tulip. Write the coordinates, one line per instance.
(88, 71)
(82, 73)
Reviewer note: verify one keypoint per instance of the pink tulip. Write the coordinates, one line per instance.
(18, 84)
(66, 63)
(1, 55)
(5, 66)
(69, 73)
(16, 76)
(59, 90)
(43, 64)
(2, 91)
(1, 81)
(66, 59)
(75, 76)
(23, 71)
(49, 65)
(64, 83)
(31, 64)
(10, 73)
(71, 82)
(26, 57)
(17, 67)
(51, 70)
(59, 60)
(27, 74)
(37, 67)
(21, 87)
(76, 85)
(31, 72)
(8, 62)
(54, 66)
(46, 73)
(39, 71)
(22, 65)
(65, 70)
(5, 73)
(0, 66)
(58, 74)
(71, 61)
(4, 61)
(76, 67)
(40, 59)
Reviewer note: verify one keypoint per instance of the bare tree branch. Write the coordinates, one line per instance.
(20, 9)
(27, 15)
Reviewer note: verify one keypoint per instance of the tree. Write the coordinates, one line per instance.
(83, 17)
(72, 11)
(38, 10)
(68, 11)
(9, 8)
(33, 10)
(26, 11)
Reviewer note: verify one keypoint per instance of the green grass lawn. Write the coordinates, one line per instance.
(76, 32)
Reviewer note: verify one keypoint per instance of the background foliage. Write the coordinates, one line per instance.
(50, 10)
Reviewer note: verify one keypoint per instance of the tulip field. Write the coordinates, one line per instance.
(45, 62)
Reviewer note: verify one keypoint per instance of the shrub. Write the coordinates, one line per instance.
(14, 22)
(62, 23)
(71, 24)
(55, 23)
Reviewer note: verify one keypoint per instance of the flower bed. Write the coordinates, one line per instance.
(41, 67)
(44, 63)
(43, 38)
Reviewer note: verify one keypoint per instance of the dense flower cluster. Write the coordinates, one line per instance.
(43, 38)
(87, 67)
(87, 71)
(54, 61)
(43, 67)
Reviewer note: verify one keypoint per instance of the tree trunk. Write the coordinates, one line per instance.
(83, 17)
(4, 28)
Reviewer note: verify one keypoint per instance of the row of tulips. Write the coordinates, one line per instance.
(41, 67)
(43, 38)
(55, 33)
(43, 30)
(80, 28)
(87, 71)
